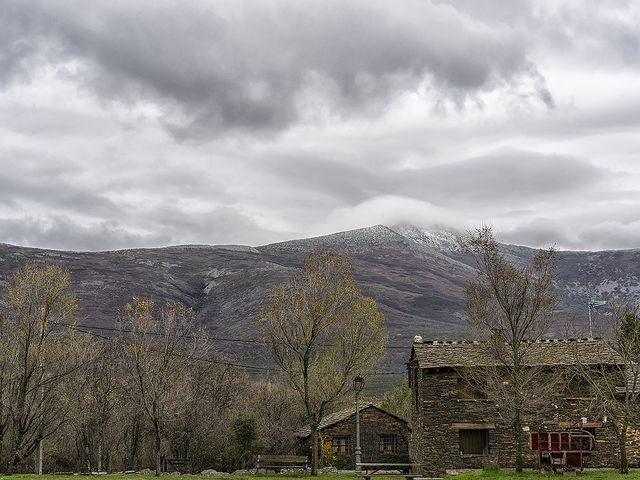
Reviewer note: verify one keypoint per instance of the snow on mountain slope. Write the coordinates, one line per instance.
(441, 240)
(359, 240)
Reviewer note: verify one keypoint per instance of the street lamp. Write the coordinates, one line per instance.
(358, 385)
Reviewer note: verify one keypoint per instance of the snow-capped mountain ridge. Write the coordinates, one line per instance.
(439, 239)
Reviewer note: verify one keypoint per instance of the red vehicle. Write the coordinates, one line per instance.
(562, 450)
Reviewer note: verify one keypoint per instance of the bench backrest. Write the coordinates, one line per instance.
(282, 459)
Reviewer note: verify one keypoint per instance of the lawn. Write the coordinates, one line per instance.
(481, 475)
(507, 475)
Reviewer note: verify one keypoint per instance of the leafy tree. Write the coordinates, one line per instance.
(323, 333)
(510, 305)
(245, 442)
(398, 401)
(329, 455)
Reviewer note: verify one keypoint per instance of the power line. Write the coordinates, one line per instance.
(217, 339)
(81, 329)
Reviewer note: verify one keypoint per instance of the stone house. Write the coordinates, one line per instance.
(458, 427)
(383, 436)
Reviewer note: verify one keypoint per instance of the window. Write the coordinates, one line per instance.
(341, 445)
(388, 444)
(474, 442)
(578, 386)
(469, 389)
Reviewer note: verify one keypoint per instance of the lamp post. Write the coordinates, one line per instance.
(358, 385)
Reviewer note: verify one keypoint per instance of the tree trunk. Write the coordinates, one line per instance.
(100, 454)
(11, 464)
(314, 450)
(517, 434)
(2, 442)
(156, 429)
(622, 445)
(15, 448)
(135, 445)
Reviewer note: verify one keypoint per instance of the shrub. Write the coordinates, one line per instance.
(491, 467)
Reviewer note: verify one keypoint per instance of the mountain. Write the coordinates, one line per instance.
(417, 276)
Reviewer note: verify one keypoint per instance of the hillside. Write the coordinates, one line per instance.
(417, 276)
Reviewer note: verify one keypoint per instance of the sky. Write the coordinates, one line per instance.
(149, 123)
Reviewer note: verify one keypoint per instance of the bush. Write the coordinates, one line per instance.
(491, 468)
(243, 440)
(345, 463)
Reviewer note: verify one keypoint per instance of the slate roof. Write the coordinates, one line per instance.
(341, 415)
(551, 352)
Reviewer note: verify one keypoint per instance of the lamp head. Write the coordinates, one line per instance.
(358, 383)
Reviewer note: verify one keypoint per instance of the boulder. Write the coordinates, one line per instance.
(213, 473)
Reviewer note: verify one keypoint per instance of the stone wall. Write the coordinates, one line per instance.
(440, 413)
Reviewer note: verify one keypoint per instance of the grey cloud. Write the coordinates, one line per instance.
(513, 176)
(254, 65)
(17, 50)
(611, 234)
(60, 232)
(493, 10)
(605, 32)
(162, 225)
(540, 232)
(507, 176)
(50, 122)
(570, 234)
(51, 183)
(179, 179)
(335, 181)
(218, 225)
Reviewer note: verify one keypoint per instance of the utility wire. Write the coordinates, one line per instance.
(217, 339)
(86, 330)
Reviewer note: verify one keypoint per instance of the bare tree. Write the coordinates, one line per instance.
(279, 414)
(158, 346)
(98, 394)
(616, 385)
(511, 306)
(206, 396)
(40, 349)
(323, 332)
(6, 370)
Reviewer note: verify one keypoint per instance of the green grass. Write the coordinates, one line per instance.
(508, 475)
(479, 475)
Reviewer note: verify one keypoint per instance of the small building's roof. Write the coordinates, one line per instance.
(341, 415)
(548, 352)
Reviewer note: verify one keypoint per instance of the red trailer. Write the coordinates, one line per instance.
(562, 450)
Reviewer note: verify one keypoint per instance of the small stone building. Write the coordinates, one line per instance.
(383, 436)
(458, 427)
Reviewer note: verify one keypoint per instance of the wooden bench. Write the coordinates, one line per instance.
(405, 470)
(280, 462)
(175, 465)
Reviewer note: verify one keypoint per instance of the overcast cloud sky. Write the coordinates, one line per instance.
(149, 123)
